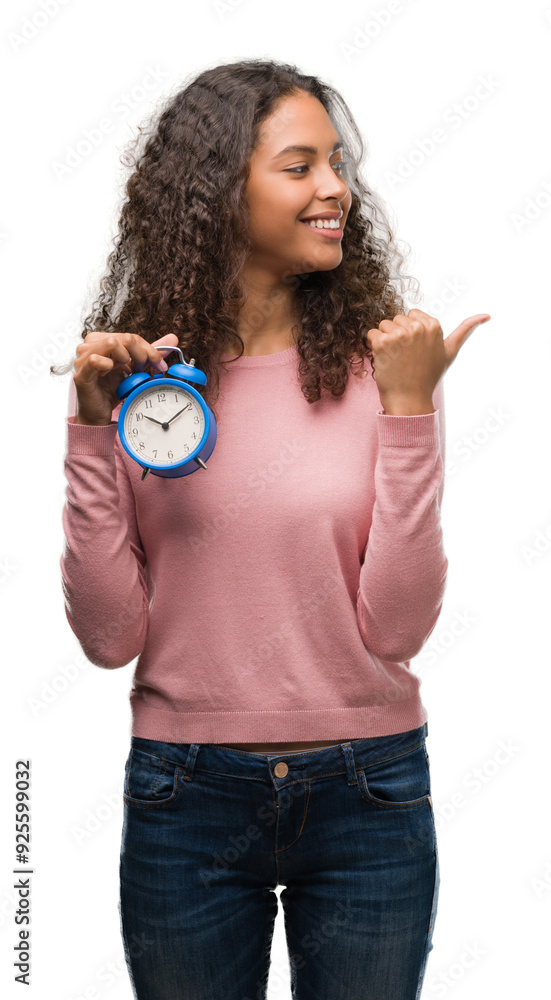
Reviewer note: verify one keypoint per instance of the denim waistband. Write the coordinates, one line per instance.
(346, 756)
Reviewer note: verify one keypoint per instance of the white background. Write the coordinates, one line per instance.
(476, 212)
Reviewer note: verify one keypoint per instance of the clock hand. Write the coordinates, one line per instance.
(163, 425)
(179, 412)
(167, 422)
(153, 419)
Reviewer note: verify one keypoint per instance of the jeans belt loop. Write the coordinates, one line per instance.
(190, 761)
(350, 763)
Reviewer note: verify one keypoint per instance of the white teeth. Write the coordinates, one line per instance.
(322, 223)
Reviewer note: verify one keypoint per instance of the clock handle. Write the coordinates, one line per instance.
(167, 347)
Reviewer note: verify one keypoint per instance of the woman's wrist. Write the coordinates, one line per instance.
(407, 406)
(86, 423)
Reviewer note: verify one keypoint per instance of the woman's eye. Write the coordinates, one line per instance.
(291, 170)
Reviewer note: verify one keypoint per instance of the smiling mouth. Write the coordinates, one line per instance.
(332, 234)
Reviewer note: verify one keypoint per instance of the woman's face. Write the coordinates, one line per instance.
(285, 187)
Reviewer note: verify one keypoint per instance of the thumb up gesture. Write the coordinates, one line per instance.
(410, 356)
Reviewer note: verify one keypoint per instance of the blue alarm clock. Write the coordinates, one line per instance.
(164, 423)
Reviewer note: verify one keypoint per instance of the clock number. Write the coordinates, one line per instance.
(196, 420)
(142, 445)
(155, 452)
(135, 430)
(139, 416)
(170, 455)
(161, 397)
(148, 404)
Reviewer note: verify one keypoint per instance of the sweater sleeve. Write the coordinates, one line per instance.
(103, 565)
(404, 568)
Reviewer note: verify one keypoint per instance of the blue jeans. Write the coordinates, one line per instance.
(208, 834)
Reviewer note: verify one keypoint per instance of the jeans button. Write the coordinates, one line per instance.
(281, 769)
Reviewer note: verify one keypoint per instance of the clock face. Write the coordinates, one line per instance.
(164, 424)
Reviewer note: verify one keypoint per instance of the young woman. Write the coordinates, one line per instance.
(274, 600)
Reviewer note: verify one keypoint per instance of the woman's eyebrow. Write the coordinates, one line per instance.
(305, 149)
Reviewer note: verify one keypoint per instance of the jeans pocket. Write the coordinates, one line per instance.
(401, 782)
(149, 779)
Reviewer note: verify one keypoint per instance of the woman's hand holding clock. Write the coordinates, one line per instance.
(410, 356)
(103, 360)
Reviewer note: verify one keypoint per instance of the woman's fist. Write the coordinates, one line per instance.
(410, 357)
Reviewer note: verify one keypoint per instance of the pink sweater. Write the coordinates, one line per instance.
(279, 595)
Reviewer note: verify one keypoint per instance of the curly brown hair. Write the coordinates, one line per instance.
(183, 233)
